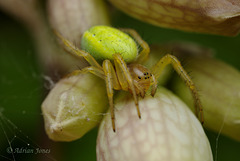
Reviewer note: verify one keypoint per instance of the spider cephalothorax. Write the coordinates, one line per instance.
(117, 51)
(142, 78)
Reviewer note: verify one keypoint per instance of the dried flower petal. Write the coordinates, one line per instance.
(74, 106)
(208, 16)
(168, 131)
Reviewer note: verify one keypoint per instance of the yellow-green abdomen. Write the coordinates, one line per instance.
(104, 41)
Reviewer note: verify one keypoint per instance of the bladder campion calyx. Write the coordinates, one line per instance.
(103, 42)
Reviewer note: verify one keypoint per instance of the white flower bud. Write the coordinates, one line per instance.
(167, 131)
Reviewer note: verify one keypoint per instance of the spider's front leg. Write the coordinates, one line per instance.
(73, 50)
(111, 83)
(125, 78)
(170, 59)
(143, 55)
(108, 74)
(96, 71)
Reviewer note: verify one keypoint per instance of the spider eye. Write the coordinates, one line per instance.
(139, 77)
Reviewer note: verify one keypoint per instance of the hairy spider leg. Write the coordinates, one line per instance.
(70, 48)
(111, 83)
(96, 71)
(142, 92)
(170, 59)
(154, 85)
(123, 75)
(109, 75)
(143, 55)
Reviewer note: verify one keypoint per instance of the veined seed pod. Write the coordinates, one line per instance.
(72, 17)
(219, 87)
(214, 16)
(74, 106)
(168, 130)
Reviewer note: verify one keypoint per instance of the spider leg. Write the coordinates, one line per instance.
(72, 49)
(114, 78)
(123, 72)
(143, 55)
(107, 68)
(96, 71)
(170, 59)
(142, 92)
(154, 85)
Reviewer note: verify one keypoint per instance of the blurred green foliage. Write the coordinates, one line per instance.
(22, 91)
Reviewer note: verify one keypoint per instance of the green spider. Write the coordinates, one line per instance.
(121, 68)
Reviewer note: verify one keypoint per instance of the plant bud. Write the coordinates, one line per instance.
(168, 130)
(74, 106)
(219, 89)
(72, 17)
(220, 17)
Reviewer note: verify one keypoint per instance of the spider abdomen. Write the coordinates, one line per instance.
(102, 42)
